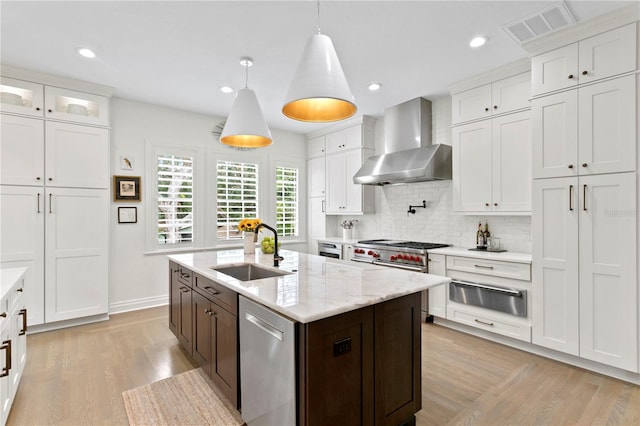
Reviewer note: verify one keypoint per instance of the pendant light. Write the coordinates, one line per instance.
(319, 92)
(245, 126)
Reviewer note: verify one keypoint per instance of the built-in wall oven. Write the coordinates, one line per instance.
(410, 255)
(328, 249)
(496, 298)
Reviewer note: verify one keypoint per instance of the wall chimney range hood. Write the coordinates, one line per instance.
(409, 154)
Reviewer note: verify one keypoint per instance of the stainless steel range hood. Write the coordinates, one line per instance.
(409, 154)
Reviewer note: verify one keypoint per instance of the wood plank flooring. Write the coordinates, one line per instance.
(76, 376)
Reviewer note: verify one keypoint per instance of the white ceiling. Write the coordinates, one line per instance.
(179, 53)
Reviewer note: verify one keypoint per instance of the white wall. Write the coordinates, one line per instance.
(436, 223)
(137, 279)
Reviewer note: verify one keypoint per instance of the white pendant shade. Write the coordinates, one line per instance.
(245, 126)
(319, 91)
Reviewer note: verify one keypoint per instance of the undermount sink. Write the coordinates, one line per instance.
(249, 272)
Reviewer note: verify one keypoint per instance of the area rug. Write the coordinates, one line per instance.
(185, 399)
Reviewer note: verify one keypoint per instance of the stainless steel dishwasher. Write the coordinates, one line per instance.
(267, 366)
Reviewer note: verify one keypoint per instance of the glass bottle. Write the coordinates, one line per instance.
(480, 243)
(486, 233)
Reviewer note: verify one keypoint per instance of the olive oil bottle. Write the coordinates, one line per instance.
(480, 241)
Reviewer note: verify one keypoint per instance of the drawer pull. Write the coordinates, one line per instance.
(6, 345)
(484, 322)
(23, 312)
(184, 289)
(483, 267)
(211, 289)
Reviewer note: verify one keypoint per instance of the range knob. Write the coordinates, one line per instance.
(405, 256)
(413, 258)
(370, 252)
(392, 258)
(376, 255)
(418, 259)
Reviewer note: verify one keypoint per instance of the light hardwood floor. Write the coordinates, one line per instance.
(76, 376)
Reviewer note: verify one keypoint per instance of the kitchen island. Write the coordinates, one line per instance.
(357, 330)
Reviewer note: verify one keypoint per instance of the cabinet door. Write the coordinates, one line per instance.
(5, 381)
(76, 253)
(21, 97)
(554, 70)
(22, 210)
(224, 353)
(315, 177)
(352, 192)
(555, 135)
(607, 126)
(472, 167)
(608, 277)
(202, 331)
(22, 147)
(511, 94)
(554, 228)
(335, 142)
(511, 151)
(19, 345)
(316, 147)
(317, 222)
(185, 324)
(438, 295)
(471, 104)
(335, 184)
(76, 156)
(352, 138)
(174, 299)
(608, 54)
(79, 107)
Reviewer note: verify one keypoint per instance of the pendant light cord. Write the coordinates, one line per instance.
(318, 20)
(246, 76)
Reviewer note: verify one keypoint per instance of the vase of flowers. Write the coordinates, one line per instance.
(248, 227)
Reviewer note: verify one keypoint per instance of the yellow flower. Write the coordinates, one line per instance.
(249, 225)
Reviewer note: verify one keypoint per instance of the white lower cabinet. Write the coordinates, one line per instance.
(584, 275)
(438, 295)
(76, 253)
(13, 338)
(317, 225)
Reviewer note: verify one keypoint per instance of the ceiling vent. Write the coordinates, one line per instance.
(540, 23)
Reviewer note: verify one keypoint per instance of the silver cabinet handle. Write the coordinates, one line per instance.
(38, 202)
(265, 326)
(584, 197)
(50, 202)
(483, 322)
(514, 293)
(322, 206)
(483, 267)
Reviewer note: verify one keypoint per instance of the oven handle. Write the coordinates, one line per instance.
(397, 265)
(513, 293)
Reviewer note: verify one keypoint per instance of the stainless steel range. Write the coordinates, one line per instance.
(410, 255)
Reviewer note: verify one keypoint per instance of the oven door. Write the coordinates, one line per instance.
(330, 250)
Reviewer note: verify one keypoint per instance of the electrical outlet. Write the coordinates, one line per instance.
(526, 236)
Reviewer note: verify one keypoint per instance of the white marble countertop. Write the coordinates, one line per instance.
(507, 256)
(337, 240)
(8, 279)
(318, 287)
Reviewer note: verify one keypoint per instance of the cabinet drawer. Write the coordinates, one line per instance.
(490, 323)
(217, 293)
(496, 268)
(184, 276)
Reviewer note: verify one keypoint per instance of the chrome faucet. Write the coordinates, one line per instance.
(276, 257)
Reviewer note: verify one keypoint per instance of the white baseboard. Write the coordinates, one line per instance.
(67, 323)
(136, 304)
(627, 376)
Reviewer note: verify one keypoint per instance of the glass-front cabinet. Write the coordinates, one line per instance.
(21, 97)
(80, 107)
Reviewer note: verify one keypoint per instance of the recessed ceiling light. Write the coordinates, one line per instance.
(478, 41)
(87, 53)
(375, 86)
(226, 89)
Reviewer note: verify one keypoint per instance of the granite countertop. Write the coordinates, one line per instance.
(318, 287)
(507, 256)
(8, 279)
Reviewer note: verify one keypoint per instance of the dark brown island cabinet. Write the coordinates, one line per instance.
(357, 368)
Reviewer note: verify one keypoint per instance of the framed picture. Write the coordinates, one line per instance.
(126, 188)
(127, 215)
(126, 162)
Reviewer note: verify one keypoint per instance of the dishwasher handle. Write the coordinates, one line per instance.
(265, 326)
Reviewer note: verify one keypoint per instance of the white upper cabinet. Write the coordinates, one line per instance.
(492, 165)
(315, 177)
(595, 58)
(502, 96)
(21, 97)
(22, 148)
(79, 107)
(588, 131)
(342, 195)
(316, 147)
(345, 139)
(76, 156)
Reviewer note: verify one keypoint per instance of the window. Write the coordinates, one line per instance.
(237, 196)
(174, 199)
(287, 201)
